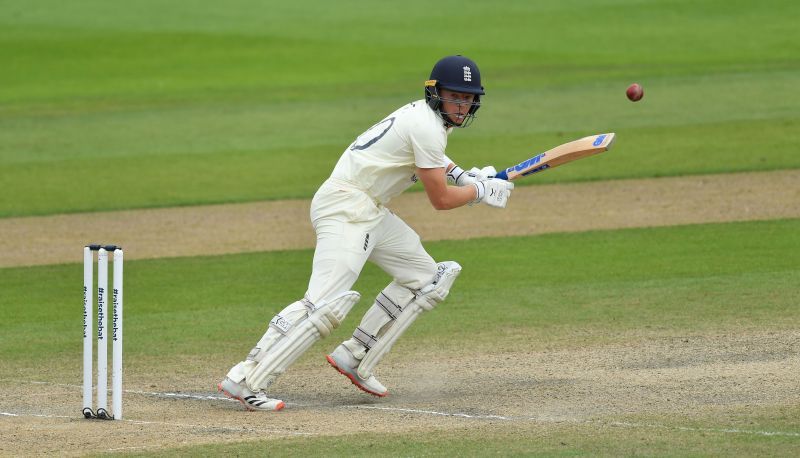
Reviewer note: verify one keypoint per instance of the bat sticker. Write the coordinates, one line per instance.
(599, 140)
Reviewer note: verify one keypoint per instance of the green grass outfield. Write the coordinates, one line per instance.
(688, 280)
(114, 105)
(696, 279)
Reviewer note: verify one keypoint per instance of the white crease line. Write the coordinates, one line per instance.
(444, 414)
(424, 412)
(34, 382)
(146, 393)
(9, 414)
(205, 397)
(138, 447)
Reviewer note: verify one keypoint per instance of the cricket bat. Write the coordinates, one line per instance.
(561, 154)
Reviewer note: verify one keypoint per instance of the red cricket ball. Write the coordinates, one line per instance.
(635, 92)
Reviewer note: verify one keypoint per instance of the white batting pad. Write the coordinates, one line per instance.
(320, 321)
(388, 305)
(426, 299)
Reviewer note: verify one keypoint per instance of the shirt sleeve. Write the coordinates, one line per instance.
(448, 161)
(428, 144)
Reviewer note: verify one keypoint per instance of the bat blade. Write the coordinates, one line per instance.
(561, 154)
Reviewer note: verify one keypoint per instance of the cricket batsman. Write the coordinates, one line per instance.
(353, 225)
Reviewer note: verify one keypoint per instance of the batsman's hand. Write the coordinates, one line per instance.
(460, 177)
(484, 173)
(494, 192)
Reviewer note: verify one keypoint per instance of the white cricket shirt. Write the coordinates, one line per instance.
(382, 162)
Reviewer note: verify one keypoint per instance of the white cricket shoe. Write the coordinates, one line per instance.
(250, 400)
(347, 364)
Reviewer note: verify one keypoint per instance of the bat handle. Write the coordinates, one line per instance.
(502, 175)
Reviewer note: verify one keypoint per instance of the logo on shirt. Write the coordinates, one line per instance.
(372, 135)
(467, 74)
(414, 178)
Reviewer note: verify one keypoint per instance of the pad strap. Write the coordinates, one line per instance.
(364, 338)
(388, 305)
(426, 298)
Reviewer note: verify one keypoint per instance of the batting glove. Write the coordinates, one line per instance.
(494, 192)
(461, 177)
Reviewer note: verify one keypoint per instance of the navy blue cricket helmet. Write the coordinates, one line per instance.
(456, 73)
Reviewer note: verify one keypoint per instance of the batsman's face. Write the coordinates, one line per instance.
(456, 105)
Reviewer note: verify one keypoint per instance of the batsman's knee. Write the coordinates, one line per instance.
(432, 290)
(417, 274)
(439, 288)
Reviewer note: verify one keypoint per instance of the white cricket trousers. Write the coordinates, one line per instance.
(352, 230)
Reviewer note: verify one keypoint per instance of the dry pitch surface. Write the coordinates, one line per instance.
(690, 377)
